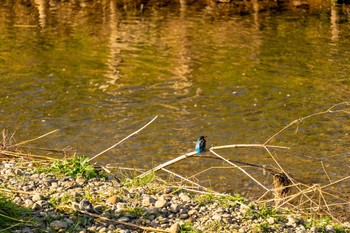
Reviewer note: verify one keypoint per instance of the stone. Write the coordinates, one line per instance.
(36, 206)
(99, 208)
(160, 203)
(121, 206)
(57, 224)
(113, 199)
(86, 205)
(80, 180)
(174, 208)
(192, 212)
(175, 227)
(329, 229)
(19, 172)
(183, 216)
(131, 195)
(146, 201)
(37, 197)
(292, 221)
(216, 217)
(184, 197)
(124, 219)
(243, 209)
(28, 203)
(271, 220)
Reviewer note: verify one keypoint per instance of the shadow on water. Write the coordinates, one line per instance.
(237, 72)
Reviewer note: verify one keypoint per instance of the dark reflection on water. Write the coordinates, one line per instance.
(99, 71)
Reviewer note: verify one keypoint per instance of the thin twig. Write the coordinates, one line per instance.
(185, 179)
(229, 162)
(20, 154)
(324, 169)
(181, 157)
(13, 219)
(297, 121)
(8, 228)
(337, 181)
(109, 148)
(30, 140)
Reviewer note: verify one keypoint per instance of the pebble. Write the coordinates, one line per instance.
(270, 220)
(292, 221)
(121, 206)
(160, 203)
(216, 217)
(86, 205)
(80, 180)
(37, 197)
(175, 227)
(329, 229)
(124, 219)
(28, 203)
(183, 216)
(59, 224)
(184, 197)
(113, 199)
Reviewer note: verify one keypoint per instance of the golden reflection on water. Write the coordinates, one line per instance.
(101, 69)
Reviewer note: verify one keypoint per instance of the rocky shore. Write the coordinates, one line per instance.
(56, 203)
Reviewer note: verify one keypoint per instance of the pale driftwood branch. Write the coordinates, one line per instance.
(247, 145)
(181, 157)
(229, 162)
(190, 154)
(111, 147)
(44, 135)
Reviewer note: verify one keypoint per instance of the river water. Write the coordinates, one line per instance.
(98, 71)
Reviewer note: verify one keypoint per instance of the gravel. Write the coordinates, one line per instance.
(55, 201)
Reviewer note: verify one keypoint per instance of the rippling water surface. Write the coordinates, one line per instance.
(98, 72)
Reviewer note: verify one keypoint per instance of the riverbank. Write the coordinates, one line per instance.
(85, 200)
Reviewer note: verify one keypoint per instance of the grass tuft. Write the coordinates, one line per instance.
(9, 212)
(76, 166)
(188, 228)
(139, 181)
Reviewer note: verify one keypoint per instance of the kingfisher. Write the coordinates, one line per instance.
(200, 145)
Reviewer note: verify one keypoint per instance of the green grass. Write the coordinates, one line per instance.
(188, 228)
(75, 166)
(9, 212)
(139, 181)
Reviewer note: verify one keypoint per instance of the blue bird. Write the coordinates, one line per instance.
(200, 145)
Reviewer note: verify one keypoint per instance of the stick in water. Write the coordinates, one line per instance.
(109, 148)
